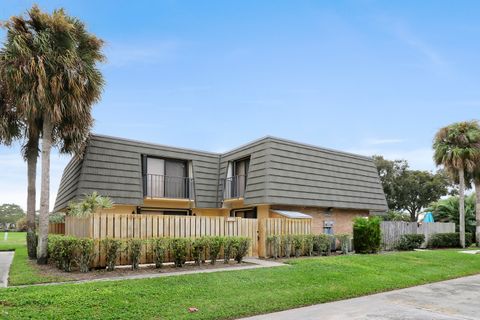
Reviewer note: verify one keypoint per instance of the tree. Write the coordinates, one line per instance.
(389, 171)
(90, 204)
(476, 182)
(410, 190)
(457, 149)
(9, 214)
(49, 61)
(447, 210)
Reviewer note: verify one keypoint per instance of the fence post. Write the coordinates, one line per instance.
(262, 240)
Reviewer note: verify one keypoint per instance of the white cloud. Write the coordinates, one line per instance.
(419, 159)
(375, 142)
(120, 55)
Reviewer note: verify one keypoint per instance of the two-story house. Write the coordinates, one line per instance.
(269, 177)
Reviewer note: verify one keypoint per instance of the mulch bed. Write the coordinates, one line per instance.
(51, 270)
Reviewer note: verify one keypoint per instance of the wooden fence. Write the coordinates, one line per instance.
(279, 226)
(127, 226)
(56, 228)
(393, 230)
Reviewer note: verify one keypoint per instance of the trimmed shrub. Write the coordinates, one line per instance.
(410, 242)
(214, 247)
(322, 244)
(111, 248)
(298, 244)
(366, 235)
(344, 239)
(180, 248)
(241, 245)
(159, 249)
(228, 249)
(85, 253)
(62, 251)
(287, 242)
(448, 240)
(199, 248)
(274, 243)
(134, 248)
(308, 244)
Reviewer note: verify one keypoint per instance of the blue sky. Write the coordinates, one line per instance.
(371, 77)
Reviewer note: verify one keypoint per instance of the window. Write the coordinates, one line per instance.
(166, 178)
(236, 181)
(247, 213)
(165, 212)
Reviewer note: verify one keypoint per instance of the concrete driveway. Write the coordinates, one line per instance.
(447, 300)
(6, 258)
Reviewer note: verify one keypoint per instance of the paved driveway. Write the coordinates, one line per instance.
(6, 258)
(447, 300)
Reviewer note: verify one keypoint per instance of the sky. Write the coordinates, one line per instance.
(369, 77)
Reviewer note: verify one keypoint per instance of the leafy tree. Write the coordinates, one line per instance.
(457, 149)
(447, 210)
(10, 213)
(389, 171)
(396, 216)
(48, 65)
(410, 190)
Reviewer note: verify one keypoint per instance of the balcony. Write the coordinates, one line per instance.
(234, 187)
(160, 186)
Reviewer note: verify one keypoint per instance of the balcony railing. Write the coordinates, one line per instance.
(234, 187)
(159, 186)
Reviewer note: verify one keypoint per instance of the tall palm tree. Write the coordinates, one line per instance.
(476, 182)
(457, 148)
(50, 63)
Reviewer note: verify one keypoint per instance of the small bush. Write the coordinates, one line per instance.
(322, 244)
(449, 240)
(366, 234)
(134, 247)
(298, 244)
(199, 248)
(111, 248)
(85, 253)
(160, 249)
(228, 249)
(54, 249)
(180, 248)
(214, 247)
(344, 239)
(274, 243)
(241, 245)
(287, 242)
(410, 242)
(308, 240)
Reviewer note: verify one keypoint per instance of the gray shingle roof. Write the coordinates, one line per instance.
(282, 172)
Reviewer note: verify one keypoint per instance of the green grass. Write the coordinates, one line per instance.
(227, 295)
(22, 270)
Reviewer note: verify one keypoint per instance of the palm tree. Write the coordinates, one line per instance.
(49, 61)
(476, 182)
(447, 210)
(457, 148)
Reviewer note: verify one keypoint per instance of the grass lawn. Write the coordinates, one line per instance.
(22, 270)
(227, 295)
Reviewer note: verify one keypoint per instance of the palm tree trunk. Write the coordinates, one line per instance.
(477, 211)
(32, 156)
(45, 191)
(461, 175)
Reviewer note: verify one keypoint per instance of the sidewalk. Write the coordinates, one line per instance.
(6, 258)
(447, 300)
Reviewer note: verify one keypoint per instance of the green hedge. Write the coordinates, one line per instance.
(410, 242)
(366, 235)
(449, 240)
(298, 245)
(69, 252)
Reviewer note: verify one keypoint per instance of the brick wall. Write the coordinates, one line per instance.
(342, 218)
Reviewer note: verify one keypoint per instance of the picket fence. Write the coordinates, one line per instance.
(393, 230)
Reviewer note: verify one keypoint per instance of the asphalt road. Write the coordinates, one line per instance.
(447, 300)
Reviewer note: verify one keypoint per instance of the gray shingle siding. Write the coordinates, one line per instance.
(281, 172)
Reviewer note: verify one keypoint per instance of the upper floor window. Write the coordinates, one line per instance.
(236, 181)
(166, 178)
